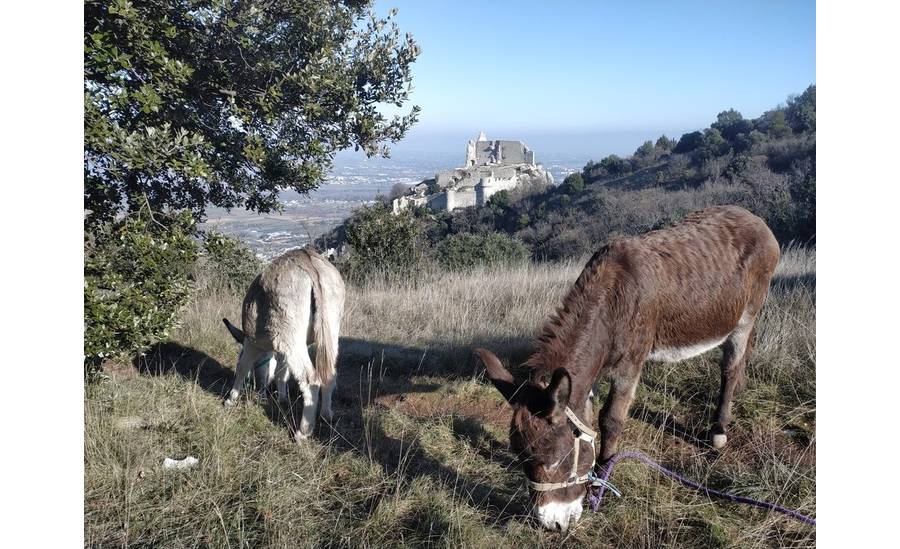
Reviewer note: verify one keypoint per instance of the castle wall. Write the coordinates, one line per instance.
(462, 198)
(513, 152)
(484, 151)
(489, 186)
(510, 152)
(405, 202)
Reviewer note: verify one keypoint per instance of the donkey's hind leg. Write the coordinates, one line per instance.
(327, 389)
(734, 358)
(310, 393)
(298, 365)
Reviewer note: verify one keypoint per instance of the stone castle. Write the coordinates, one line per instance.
(491, 166)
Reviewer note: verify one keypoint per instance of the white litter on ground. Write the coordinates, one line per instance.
(181, 464)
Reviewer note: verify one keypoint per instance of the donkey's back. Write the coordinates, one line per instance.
(695, 282)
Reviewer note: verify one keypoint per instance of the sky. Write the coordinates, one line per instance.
(598, 75)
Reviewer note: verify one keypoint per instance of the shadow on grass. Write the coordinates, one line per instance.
(790, 282)
(696, 435)
(191, 364)
(371, 374)
(368, 372)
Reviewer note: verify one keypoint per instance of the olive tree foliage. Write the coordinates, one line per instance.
(190, 103)
(137, 276)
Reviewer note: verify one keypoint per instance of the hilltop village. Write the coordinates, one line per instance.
(491, 166)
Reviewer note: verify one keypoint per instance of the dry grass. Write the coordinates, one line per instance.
(417, 455)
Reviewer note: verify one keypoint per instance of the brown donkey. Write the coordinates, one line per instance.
(666, 295)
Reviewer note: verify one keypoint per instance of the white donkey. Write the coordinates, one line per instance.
(297, 297)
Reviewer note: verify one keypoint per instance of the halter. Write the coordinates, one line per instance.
(264, 361)
(582, 433)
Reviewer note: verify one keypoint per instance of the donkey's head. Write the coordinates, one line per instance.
(263, 364)
(545, 442)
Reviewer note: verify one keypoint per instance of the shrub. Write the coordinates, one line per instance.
(688, 142)
(777, 125)
(464, 251)
(713, 145)
(646, 150)
(136, 279)
(613, 165)
(731, 124)
(803, 196)
(234, 264)
(499, 201)
(664, 143)
(523, 221)
(381, 242)
(801, 111)
(573, 184)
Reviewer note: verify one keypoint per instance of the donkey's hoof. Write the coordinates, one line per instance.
(300, 436)
(719, 441)
(229, 403)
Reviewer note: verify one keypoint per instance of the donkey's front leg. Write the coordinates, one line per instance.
(614, 413)
(310, 393)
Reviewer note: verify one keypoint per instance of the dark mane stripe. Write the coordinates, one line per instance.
(566, 324)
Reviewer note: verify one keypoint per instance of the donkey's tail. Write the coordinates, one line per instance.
(328, 296)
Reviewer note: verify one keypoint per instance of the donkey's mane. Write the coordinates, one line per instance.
(563, 328)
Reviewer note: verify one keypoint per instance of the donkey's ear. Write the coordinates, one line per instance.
(499, 376)
(235, 332)
(559, 390)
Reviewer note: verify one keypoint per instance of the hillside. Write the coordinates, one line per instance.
(767, 165)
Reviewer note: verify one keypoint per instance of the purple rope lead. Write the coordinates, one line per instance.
(596, 496)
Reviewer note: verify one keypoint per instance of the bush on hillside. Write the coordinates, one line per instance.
(775, 124)
(137, 276)
(464, 251)
(382, 242)
(801, 111)
(731, 124)
(232, 263)
(573, 184)
(499, 201)
(646, 150)
(665, 144)
(688, 143)
(613, 165)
